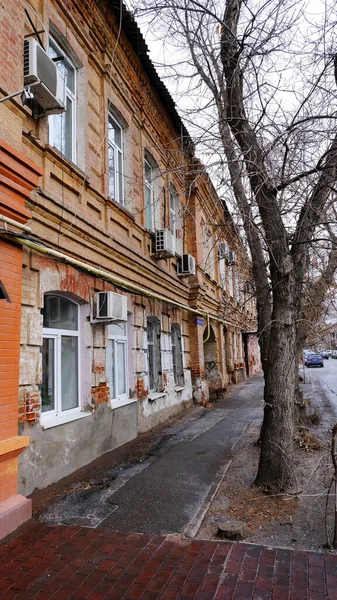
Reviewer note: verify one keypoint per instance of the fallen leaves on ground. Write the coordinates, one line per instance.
(306, 440)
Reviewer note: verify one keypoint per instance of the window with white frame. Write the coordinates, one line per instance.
(62, 128)
(115, 160)
(222, 271)
(116, 362)
(175, 218)
(60, 356)
(154, 354)
(237, 284)
(230, 281)
(149, 195)
(177, 355)
(210, 253)
(204, 245)
(207, 249)
(241, 288)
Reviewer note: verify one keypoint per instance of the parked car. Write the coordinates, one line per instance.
(305, 356)
(334, 354)
(314, 360)
(324, 354)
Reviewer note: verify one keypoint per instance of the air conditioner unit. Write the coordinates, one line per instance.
(165, 243)
(40, 70)
(231, 258)
(222, 250)
(186, 265)
(111, 307)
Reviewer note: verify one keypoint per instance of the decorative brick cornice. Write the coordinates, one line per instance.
(18, 177)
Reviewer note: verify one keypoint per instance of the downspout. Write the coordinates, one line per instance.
(208, 330)
(114, 279)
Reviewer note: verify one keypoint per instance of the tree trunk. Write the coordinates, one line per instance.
(276, 470)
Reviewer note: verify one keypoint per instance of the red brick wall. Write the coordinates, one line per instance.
(18, 176)
(10, 275)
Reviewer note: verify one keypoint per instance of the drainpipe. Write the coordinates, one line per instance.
(208, 330)
(114, 279)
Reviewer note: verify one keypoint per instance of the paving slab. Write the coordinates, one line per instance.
(66, 563)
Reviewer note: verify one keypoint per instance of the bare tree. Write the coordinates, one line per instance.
(260, 79)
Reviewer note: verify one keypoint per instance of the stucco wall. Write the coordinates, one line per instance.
(57, 452)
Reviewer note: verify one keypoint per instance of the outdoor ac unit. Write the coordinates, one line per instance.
(222, 250)
(231, 258)
(186, 265)
(165, 243)
(40, 70)
(111, 306)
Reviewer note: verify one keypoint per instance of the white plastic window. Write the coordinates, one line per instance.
(154, 354)
(177, 355)
(62, 128)
(175, 219)
(116, 363)
(230, 281)
(149, 196)
(115, 159)
(60, 357)
(222, 271)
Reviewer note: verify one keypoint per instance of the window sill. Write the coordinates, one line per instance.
(120, 403)
(73, 167)
(179, 388)
(156, 395)
(121, 207)
(47, 423)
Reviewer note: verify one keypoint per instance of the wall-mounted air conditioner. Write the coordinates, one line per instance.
(48, 89)
(186, 265)
(231, 258)
(111, 307)
(165, 243)
(222, 250)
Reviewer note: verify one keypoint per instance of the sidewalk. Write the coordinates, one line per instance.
(167, 489)
(68, 563)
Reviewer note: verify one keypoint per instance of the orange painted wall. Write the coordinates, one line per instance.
(18, 176)
(10, 275)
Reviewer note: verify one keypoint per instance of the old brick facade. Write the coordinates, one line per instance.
(116, 169)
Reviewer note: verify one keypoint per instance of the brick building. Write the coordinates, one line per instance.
(18, 176)
(125, 223)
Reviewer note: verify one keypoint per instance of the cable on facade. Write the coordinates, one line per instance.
(38, 246)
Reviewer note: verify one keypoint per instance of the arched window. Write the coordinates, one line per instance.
(116, 159)
(154, 354)
(62, 128)
(60, 356)
(151, 192)
(177, 355)
(175, 219)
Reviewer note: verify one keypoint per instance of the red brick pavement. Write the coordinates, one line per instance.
(61, 563)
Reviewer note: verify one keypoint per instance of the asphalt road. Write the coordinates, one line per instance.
(327, 379)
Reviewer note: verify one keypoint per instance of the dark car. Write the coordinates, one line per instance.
(324, 354)
(314, 360)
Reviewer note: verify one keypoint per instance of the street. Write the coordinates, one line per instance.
(327, 379)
